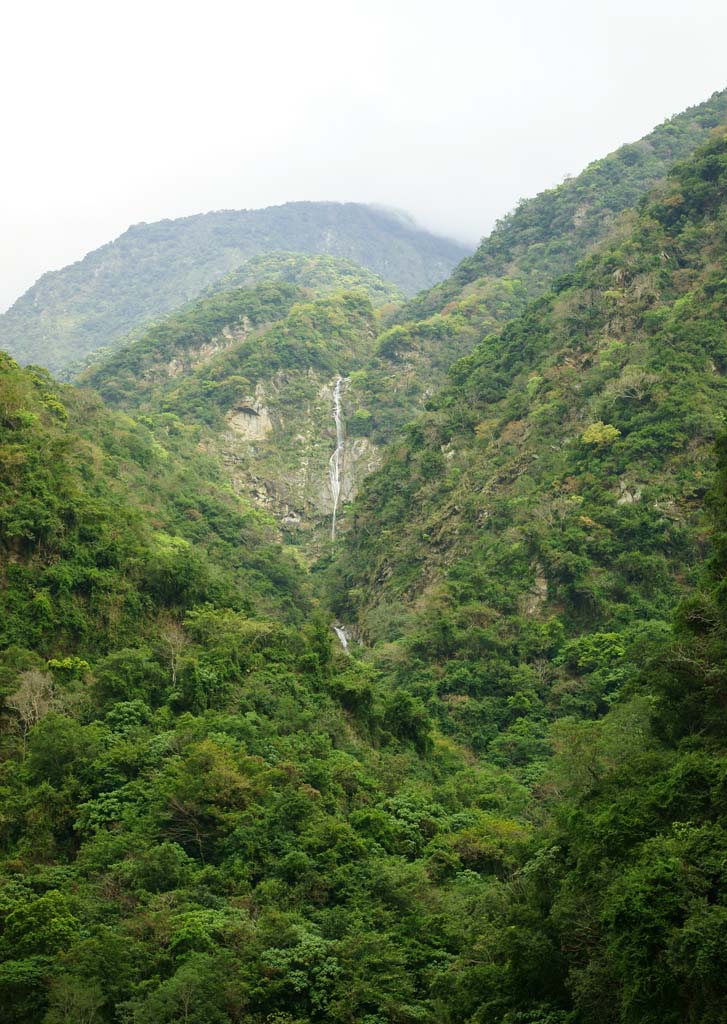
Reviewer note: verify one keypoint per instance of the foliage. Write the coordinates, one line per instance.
(318, 275)
(153, 268)
(509, 806)
(545, 236)
(558, 483)
(207, 813)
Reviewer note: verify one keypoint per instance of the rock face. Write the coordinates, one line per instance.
(250, 419)
(277, 451)
(532, 602)
(628, 493)
(196, 356)
(250, 423)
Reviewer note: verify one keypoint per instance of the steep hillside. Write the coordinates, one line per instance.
(209, 812)
(546, 235)
(618, 912)
(187, 339)
(541, 518)
(106, 529)
(153, 268)
(508, 807)
(252, 297)
(388, 382)
(252, 371)
(255, 368)
(212, 815)
(529, 248)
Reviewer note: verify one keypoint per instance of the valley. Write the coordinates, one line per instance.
(363, 623)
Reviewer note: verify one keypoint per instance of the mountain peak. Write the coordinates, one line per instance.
(153, 268)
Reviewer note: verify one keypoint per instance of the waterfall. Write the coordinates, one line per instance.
(341, 634)
(334, 463)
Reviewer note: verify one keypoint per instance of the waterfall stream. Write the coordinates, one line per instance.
(341, 634)
(334, 463)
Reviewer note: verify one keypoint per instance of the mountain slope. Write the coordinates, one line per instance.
(390, 381)
(557, 484)
(253, 368)
(253, 371)
(208, 810)
(105, 528)
(213, 813)
(546, 235)
(225, 821)
(528, 249)
(252, 297)
(153, 268)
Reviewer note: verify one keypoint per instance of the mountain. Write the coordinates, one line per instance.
(153, 268)
(542, 239)
(546, 235)
(254, 369)
(209, 809)
(388, 378)
(253, 372)
(516, 563)
(492, 789)
(558, 483)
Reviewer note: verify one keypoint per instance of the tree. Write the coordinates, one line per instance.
(600, 434)
(33, 699)
(74, 1001)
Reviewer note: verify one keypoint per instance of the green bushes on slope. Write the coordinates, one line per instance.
(557, 483)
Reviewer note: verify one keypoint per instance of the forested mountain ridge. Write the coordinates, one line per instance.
(558, 483)
(543, 238)
(389, 382)
(252, 372)
(154, 268)
(253, 364)
(508, 807)
(251, 298)
(207, 811)
(229, 822)
(547, 234)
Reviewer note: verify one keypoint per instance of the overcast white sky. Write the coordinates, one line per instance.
(119, 112)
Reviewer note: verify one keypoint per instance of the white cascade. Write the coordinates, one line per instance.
(334, 463)
(341, 634)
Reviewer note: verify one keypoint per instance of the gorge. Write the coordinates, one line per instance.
(362, 656)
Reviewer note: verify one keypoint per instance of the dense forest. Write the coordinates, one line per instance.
(545, 235)
(502, 799)
(152, 269)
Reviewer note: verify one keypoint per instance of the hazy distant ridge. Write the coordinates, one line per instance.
(153, 268)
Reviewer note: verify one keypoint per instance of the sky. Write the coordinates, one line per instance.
(119, 112)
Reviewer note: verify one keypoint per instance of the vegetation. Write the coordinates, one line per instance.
(154, 268)
(202, 375)
(506, 804)
(251, 372)
(558, 483)
(207, 812)
(186, 339)
(542, 239)
(104, 527)
(317, 275)
(528, 249)
(545, 236)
